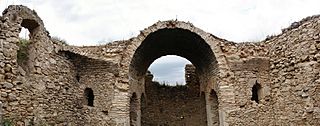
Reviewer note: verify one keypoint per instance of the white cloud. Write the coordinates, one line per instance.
(170, 69)
(86, 23)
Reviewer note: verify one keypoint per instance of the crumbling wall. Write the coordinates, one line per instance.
(173, 105)
(111, 52)
(191, 78)
(294, 76)
(8, 68)
(285, 66)
(250, 66)
(283, 71)
(48, 92)
(45, 90)
(98, 76)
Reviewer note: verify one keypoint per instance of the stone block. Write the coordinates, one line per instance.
(7, 85)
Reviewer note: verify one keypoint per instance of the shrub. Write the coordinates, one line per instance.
(22, 54)
(59, 40)
(6, 122)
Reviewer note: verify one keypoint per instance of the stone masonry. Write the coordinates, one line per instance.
(272, 82)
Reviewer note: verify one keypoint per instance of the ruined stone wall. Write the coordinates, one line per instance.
(173, 105)
(211, 98)
(47, 91)
(111, 52)
(284, 65)
(49, 88)
(192, 79)
(250, 65)
(98, 76)
(294, 76)
(8, 68)
(39, 94)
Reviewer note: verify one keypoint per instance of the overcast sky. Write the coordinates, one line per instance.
(83, 22)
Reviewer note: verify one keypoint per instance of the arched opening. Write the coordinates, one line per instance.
(143, 109)
(24, 33)
(31, 25)
(214, 108)
(25, 39)
(23, 44)
(134, 106)
(88, 93)
(162, 101)
(200, 111)
(256, 91)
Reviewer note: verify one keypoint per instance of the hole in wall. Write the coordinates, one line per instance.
(78, 77)
(31, 25)
(161, 110)
(255, 92)
(24, 33)
(22, 53)
(88, 92)
(25, 39)
(105, 112)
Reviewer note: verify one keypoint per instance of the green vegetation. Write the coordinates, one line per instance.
(59, 40)
(6, 122)
(22, 54)
(9, 122)
(166, 85)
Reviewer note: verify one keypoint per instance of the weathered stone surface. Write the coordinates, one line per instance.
(273, 82)
(12, 97)
(7, 85)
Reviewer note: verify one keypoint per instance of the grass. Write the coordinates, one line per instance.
(22, 54)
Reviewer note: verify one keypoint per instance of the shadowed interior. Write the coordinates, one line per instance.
(182, 43)
(173, 42)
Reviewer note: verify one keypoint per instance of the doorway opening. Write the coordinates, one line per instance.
(172, 105)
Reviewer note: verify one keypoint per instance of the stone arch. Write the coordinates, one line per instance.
(31, 25)
(23, 52)
(172, 38)
(21, 16)
(211, 42)
(26, 17)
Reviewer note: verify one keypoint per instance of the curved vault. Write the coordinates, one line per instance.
(175, 41)
(169, 41)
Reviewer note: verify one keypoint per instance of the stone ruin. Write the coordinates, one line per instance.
(272, 82)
